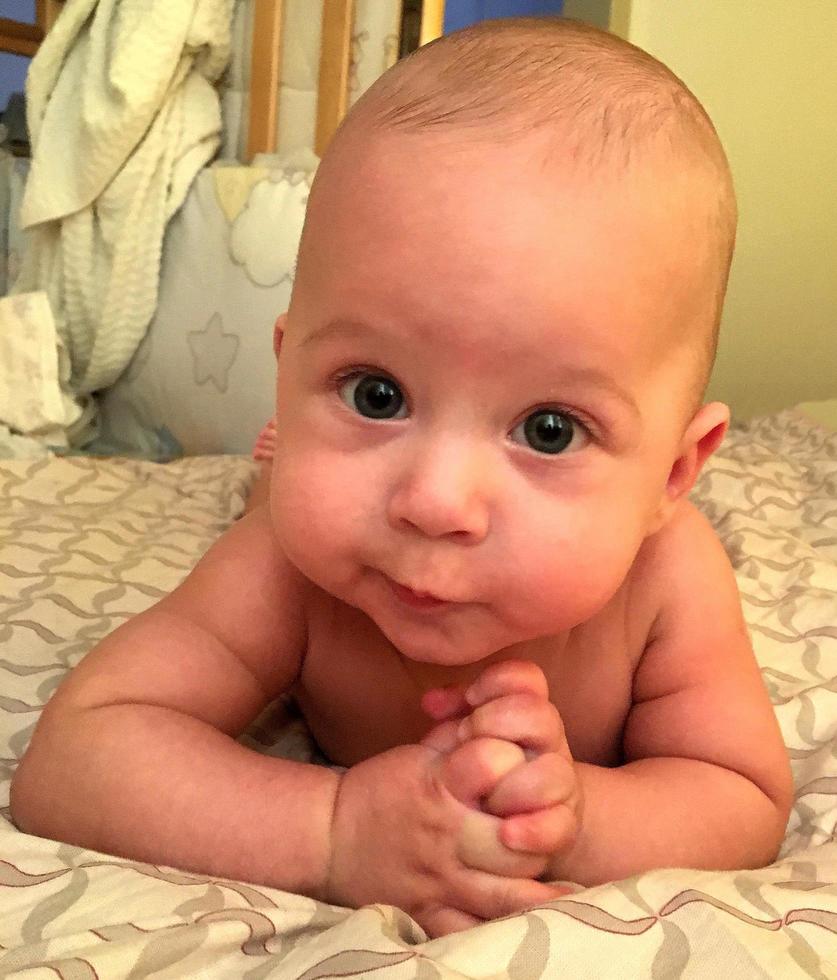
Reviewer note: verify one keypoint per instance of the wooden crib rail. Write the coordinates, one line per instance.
(335, 57)
(432, 20)
(18, 37)
(46, 11)
(335, 60)
(265, 74)
(266, 68)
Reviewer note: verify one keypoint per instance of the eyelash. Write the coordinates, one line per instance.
(573, 415)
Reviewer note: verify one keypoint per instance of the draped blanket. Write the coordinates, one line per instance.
(123, 113)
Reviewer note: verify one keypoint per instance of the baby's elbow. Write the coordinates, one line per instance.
(25, 799)
(768, 847)
(34, 792)
(783, 812)
(781, 793)
(778, 803)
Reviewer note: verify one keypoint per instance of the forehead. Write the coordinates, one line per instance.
(489, 247)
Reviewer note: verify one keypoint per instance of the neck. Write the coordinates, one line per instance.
(426, 676)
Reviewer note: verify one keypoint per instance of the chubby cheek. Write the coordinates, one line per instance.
(565, 573)
(319, 511)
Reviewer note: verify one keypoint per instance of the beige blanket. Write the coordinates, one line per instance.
(85, 544)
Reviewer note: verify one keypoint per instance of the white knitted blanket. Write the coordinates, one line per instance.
(123, 113)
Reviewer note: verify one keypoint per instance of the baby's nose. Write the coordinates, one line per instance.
(443, 492)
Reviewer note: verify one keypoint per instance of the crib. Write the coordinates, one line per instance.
(87, 540)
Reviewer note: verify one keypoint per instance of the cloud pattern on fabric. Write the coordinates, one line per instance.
(278, 202)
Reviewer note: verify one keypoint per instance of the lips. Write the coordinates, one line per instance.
(417, 600)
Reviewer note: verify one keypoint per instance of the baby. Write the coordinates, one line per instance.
(478, 572)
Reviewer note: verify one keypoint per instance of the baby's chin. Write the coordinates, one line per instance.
(453, 635)
(456, 638)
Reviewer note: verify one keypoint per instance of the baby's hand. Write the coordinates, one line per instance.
(400, 836)
(536, 791)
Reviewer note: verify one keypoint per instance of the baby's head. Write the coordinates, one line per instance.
(585, 110)
(505, 313)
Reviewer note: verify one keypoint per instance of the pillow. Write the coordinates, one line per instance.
(205, 371)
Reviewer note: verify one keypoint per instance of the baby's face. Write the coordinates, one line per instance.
(478, 397)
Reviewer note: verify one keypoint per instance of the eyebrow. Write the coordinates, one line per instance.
(585, 376)
(332, 328)
(603, 381)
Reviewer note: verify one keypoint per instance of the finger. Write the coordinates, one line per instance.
(474, 770)
(544, 781)
(508, 677)
(442, 922)
(443, 738)
(489, 896)
(543, 832)
(266, 439)
(442, 703)
(480, 848)
(526, 719)
(262, 452)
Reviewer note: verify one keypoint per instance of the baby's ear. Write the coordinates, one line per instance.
(701, 438)
(278, 332)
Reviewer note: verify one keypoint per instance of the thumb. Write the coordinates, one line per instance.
(474, 769)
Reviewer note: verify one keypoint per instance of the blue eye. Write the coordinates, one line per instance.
(373, 396)
(550, 431)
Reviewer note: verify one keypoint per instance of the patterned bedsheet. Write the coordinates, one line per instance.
(86, 543)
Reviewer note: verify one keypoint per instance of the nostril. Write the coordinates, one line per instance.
(462, 535)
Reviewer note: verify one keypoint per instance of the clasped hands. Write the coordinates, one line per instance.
(507, 755)
(467, 821)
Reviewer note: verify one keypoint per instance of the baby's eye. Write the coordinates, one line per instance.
(550, 431)
(373, 396)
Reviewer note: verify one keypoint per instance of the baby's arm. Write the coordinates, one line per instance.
(706, 781)
(136, 752)
(136, 755)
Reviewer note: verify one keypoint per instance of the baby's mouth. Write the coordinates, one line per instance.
(414, 599)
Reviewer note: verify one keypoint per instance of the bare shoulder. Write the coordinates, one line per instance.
(227, 641)
(697, 624)
(688, 537)
(247, 594)
(697, 689)
(683, 574)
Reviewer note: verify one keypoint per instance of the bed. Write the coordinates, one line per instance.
(87, 541)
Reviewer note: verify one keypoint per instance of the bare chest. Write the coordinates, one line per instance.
(359, 699)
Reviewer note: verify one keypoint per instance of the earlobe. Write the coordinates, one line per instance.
(702, 437)
(278, 332)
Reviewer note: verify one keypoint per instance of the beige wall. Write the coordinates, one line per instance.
(595, 12)
(766, 70)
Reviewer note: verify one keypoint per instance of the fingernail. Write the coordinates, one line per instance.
(471, 696)
(463, 732)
